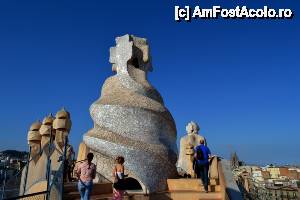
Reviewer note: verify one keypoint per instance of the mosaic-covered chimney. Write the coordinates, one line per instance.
(131, 120)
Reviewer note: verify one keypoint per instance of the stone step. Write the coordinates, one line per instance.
(109, 197)
(178, 189)
(98, 188)
(192, 195)
(98, 195)
(192, 185)
(179, 195)
(70, 187)
(75, 194)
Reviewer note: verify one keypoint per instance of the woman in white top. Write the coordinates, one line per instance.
(118, 174)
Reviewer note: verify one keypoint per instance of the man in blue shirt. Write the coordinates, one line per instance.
(202, 155)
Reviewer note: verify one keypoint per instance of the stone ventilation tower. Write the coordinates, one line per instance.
(130, 120)
(47, 141)
(187, 146)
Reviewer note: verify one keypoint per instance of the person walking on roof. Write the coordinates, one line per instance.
(202, 156)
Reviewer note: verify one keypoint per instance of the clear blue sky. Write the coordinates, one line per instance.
(239, 79)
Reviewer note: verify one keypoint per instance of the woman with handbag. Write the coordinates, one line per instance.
(118, 174)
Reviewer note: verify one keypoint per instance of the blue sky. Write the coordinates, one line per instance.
(239, 79)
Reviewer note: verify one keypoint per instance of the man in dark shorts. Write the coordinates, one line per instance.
(202, 155)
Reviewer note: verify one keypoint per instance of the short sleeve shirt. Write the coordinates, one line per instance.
(87, 172)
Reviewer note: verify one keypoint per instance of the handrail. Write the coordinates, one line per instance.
(36, 155)
(4, 182)
(48, 167)
(222, 182)
(80, 161)
(57, 179)
(27, 195)
(63, 166)
(26, 173)
(54, 177)
(19, 172)
(27, 166)
(59, 174)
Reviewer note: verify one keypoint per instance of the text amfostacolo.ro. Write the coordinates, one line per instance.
(188, 13)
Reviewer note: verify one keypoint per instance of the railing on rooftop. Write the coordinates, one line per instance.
(33, 196)
(54, 178)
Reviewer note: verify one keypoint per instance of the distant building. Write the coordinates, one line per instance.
(265, 174)
(282, 192)
(293, 174)
(284, 171)
(270, 182)
(244, 179)
(274, 172)
(280, 182)
(257, 175)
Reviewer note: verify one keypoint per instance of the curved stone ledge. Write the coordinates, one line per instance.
(127, 121)
(148, 170)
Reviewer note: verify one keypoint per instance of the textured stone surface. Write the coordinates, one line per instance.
(232, 188)
(33, 133)
(83, 150)
(39, 138)
(130, 119)
(187, 145)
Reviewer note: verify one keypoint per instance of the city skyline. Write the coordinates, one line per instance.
(238, 79)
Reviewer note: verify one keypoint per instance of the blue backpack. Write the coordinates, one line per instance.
(199, 154)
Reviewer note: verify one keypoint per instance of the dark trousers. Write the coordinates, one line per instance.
(202, 172)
